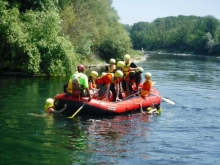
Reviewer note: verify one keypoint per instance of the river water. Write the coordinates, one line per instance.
(186, 133)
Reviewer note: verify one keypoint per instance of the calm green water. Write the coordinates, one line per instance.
(186, 133)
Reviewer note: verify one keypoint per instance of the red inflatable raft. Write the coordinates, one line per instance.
(99, 107)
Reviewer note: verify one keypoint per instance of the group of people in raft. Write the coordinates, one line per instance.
(119, 77)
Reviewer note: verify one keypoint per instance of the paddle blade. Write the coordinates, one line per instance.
(169, 101)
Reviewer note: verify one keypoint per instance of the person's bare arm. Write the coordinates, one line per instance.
(59, 111)
(117, 92)
(88, 91)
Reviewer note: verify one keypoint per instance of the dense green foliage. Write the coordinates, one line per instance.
(178, 34)
(52, 37)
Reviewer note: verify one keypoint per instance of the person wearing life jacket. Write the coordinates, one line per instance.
(78, 84)
(110, 68)
(147, 85)
(105, 81)
(154, 109)
(92, 85)
(128, 66)
(119, 66)
(133, 77)
(49, 107)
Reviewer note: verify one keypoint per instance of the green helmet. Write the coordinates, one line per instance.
(94, 74)
(139, 69)
(112, 61)
(103, 74)
(119, 74)
(127, 57)
(120, 64)
(148, 74)
(48, 104)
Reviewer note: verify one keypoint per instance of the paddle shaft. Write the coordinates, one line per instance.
(82, 106)
(79, 109)
(165, 99)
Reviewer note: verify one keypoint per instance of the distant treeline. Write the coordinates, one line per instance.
(52, 37)
(185, 34)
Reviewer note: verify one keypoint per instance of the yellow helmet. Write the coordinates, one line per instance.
(112, 61)
(148, 74)
(120, 64)
(48, 104)
(103, 74)
(94, 74)
(139, 69)
(119, 74)
(127, 57)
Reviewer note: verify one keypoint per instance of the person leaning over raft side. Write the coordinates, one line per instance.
(147, 85)
(129, 66)
(78, 84)
(105, 81)
(133, 77)
(49, 107)
(111, 67)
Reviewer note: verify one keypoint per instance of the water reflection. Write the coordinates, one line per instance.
(175, 137)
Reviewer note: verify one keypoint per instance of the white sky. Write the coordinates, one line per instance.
(133, 11)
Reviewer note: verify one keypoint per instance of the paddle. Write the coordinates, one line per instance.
(165, 99)
(78, 109)
(82, 106)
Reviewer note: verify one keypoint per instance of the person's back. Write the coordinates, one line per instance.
(80, 78)
(78, 84)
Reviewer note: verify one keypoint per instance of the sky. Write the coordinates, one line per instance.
(133, 11)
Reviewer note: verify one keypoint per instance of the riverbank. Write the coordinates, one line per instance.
(135, 59)
(97, 63)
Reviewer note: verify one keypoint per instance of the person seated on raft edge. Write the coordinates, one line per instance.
(103, 83)
(78, 85)
(111, 67)
(128, 66)
(133, 77)
(92, 85)
(146, 88)
(147, 85)
(49, 107)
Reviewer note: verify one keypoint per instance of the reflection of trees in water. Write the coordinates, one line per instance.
(115, 137)
(115, 128)
(89, 139)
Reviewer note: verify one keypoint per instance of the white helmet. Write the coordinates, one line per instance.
(112, 61)
(147, 74)
(139, 69)
(127, 57)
